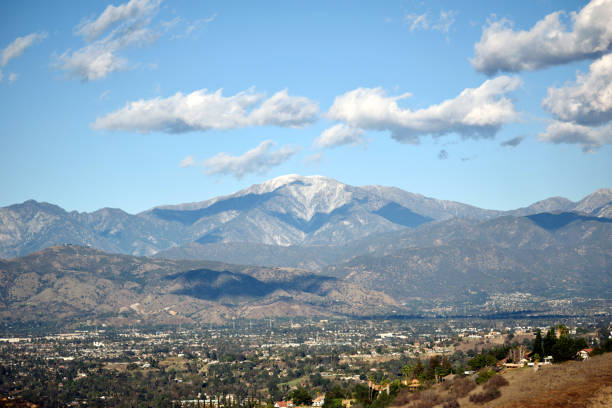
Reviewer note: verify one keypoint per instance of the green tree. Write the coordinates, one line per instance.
(481, 360)
(538, 346)
(549, 341)
(301, 396)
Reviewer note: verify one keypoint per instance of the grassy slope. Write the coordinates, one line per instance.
(585, 384)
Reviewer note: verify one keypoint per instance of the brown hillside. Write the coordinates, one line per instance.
(584, 384)
(570, 385)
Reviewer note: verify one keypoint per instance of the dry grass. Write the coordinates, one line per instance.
(570, 385)
(584, 384)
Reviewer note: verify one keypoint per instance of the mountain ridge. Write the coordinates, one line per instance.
(287, 211)
(75, 282)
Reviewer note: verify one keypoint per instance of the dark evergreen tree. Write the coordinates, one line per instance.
(538, 346)
(549, 342)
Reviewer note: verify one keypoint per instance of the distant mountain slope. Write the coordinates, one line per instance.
(545, 254)
(288, 211)
(71, 282)
(539, 232)
(588, 205)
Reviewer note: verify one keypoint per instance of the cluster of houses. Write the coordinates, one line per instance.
(316, 403)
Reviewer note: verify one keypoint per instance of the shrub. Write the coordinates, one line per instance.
(451, 404)
(489, 394)
(430, 396)
(484, 376)
(446, 385)
(496, 381)
(462, 387)
(404, 397)
(422, 404)
(482, 360)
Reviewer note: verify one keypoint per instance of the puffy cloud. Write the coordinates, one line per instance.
(589, 100)
(589, 137)
(339, 135)
(515, 141)
(284, 110)
(257, 160)
(132, 10)
(188, 161)
(99, 58)
(423, 22)
(474, 113)
(203, 110)
(583, 110)
(548, 42)
(92, 62)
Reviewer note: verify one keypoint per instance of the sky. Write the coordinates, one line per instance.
(142, 103)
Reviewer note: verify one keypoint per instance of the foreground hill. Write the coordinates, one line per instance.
(585, 384)
(72, 282)
(287, 211)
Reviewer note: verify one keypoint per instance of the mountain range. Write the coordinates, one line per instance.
(286, 211)
(313, 246)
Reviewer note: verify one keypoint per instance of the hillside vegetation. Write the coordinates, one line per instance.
(573, 384)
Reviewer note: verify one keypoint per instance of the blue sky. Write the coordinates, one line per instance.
(147, 102)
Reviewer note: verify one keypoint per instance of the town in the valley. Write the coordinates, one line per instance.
(281, 363)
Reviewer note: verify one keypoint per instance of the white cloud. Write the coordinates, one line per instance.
(19, 45)
(257, 160)
(314, 159)
(190, 28)
(188, 161)
(417, 21)
(339, 135)
(548, 42)
(12, 77)
(100, 57)
(132, 10)
(582, 110)
(92, 62)
(515, 141)
(423, 22)
(474, 113)
(104, 95)
(589, 100)
(589, 137)
(202, 110)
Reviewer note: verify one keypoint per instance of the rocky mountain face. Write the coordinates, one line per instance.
(289, 210)
(73, 283)
(286, 212)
